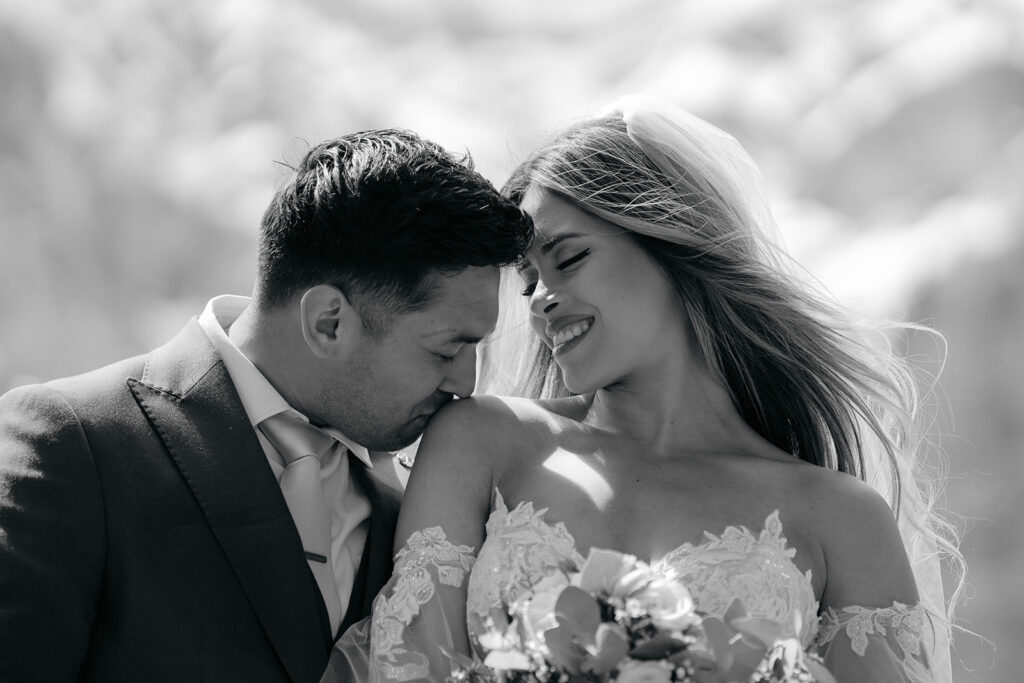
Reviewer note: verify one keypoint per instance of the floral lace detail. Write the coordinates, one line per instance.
(757, 569)
(520, 549)
(902, 626)
(411, 587)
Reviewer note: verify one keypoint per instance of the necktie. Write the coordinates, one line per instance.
(301, 445)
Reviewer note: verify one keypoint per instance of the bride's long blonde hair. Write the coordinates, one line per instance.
(833, 391)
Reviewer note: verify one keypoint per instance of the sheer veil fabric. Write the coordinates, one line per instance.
(676, 140)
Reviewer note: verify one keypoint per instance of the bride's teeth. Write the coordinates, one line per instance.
(570, 332)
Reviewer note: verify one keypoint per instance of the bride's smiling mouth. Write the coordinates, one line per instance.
(569, 334)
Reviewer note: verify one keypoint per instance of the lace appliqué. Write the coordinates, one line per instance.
(520, 550)
(757, 569)
(902, 627)
(412, 587)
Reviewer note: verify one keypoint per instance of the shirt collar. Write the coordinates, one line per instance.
(259, 397)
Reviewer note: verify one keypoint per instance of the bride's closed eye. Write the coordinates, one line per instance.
(574, 259)
(530, 288)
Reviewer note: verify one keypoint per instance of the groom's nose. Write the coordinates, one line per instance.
(460, 379)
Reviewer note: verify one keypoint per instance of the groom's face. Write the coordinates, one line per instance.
(393, 384)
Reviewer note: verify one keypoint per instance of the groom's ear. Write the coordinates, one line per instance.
(331, 326)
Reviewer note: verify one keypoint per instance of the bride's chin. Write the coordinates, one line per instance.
(577, 384)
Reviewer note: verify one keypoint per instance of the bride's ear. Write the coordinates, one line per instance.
(331, 326)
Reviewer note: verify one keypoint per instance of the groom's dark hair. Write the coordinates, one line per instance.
(378, 214)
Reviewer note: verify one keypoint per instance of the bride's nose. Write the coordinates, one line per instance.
(543, 300)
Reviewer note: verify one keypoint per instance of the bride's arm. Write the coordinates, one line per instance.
(872, 626)
(440, 529)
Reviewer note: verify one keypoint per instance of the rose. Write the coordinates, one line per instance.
(667, 602)
(633, 671)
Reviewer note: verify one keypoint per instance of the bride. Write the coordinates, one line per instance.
(691, 401)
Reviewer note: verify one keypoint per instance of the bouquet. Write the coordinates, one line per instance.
(615, 619)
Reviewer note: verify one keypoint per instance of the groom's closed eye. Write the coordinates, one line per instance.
(449, 354)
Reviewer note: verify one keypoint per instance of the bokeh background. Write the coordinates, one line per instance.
(139, 141)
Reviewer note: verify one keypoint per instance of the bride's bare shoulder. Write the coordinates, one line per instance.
(498, 424)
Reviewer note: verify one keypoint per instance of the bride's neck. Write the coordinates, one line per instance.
(671, 413)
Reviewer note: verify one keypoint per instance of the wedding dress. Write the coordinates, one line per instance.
(437, 582)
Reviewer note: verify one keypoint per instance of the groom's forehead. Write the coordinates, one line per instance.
(465, 317)
(464, 321)
(463, 306)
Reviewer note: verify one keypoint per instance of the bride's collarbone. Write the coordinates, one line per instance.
(631, 471)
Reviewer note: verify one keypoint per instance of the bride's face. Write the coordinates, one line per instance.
(605, 308)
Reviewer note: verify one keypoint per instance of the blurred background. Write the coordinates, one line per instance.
(139, 141)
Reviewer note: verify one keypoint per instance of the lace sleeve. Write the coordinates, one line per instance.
(421, 610)
(880, 644)
(420, 614)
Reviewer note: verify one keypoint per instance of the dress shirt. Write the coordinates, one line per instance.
(350, 508)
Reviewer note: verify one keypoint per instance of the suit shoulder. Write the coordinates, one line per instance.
(108, 378)
(41, 403)
(43, 437)
(84, 388)
(89, 400)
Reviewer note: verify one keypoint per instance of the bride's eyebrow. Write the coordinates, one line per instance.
(555, 240)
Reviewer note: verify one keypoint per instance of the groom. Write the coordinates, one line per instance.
(218, 509)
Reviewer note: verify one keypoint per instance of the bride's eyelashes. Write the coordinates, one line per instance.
(574, 259)
(561, 265)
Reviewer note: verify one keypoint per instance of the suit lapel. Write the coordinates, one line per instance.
(190, 400)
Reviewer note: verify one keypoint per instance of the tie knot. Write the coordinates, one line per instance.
(294, 438)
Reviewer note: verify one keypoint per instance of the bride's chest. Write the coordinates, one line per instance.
(642, 507)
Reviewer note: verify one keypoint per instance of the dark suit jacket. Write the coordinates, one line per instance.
(143, 536)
